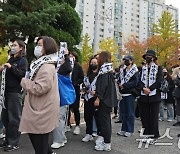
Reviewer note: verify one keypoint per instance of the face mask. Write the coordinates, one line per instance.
(93, 66)
(13, 51)
(165, 73)
(148, 60)
(37, 51)
(126, 62)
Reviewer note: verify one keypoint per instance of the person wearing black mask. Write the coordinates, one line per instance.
(150, 98)
(89, 108)
(129, 78)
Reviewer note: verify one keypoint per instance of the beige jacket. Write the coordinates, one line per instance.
(41, 106)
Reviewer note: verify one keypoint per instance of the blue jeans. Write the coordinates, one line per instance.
(127, 113)
(170, 110)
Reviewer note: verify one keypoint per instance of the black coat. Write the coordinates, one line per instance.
(65, 68)
(105, 89)
(176, 92)
(156, 85)
(77, 75)
(19, 66)
(171, 85)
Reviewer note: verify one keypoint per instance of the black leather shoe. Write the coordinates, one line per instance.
(176, 124)
(119, 121)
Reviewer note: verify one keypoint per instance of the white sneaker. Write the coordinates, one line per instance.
(87, 138)
(77, 130)
(121, 133)
(94, 134)
(2, 136)
(127, 134)
(103, 147)
(56, 145)
(99, 140)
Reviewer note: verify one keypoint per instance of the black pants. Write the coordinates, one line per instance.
(11, 117)
(40, 143)
(75, 108)
(149, 113)
(91, 111)
(105, 122)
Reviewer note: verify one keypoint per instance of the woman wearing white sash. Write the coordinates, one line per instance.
(41, 106)
(129, 78)
(150, 97)
(89, 108)
(106, 99)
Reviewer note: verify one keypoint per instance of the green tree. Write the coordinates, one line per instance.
(166, 40)
(3, 55)
(87, 51)
(31, 18)
(166, 26)
(110, 45)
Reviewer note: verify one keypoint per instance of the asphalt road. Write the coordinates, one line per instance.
(120, 145)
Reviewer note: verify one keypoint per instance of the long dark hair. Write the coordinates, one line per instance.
(104, 57)
(89, 69)
(23, 46)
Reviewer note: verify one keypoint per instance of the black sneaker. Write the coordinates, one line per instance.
(3, 145)
(9, 148)
(176, 124)
(119, 121)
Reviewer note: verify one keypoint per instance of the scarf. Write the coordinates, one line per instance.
(129, 74)
(149, 78)
(3, 88)
(35, 66)
(105, 68)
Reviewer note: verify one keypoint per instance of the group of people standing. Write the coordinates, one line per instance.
(41, 113)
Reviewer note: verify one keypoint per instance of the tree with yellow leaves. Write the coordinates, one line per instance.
(109, 44)
(87, 50)
(166, 39)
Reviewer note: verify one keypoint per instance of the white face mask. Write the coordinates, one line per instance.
(38, 51)
(13, 51)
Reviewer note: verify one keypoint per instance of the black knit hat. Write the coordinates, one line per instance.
(150, 53)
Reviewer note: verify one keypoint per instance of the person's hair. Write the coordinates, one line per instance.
(23, 46)
(49, 44)
(96, 55)
(75, 55)
(104, 57)
(89, 71)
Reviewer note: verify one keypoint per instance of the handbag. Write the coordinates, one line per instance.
(66, 90)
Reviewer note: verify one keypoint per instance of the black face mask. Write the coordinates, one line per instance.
(148, 60)
(93, 66)
(126, 62)
(165, 73)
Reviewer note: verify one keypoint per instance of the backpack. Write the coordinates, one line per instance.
(164, 86)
